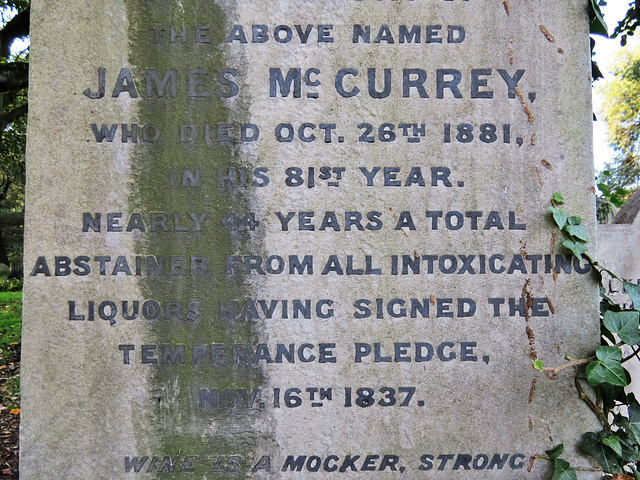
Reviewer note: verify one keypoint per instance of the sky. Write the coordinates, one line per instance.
(605, 51)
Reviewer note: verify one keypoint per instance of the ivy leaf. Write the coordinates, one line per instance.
(591, 445)
(559, 216)
(612, 394)
(577, 231)
(607, 369)
(555, 452)
(604, 188)
(624, 324)
(563, 471)
(633, 427)
(574, 220)
(596, 73)
(577, 248)
(634, 293)
(629, 450)
(613, 442)
(557, 198)
(597, 24)
(537, 364)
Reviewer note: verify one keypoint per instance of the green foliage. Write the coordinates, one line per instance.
(620, 110)
(10, 318)
(597, 26)
(607, 369)
(616, 447)
(629, 23)
(10, 284)
(562, 469)
(617, 182)
(624, 325)
(13, 110)
(571, 225)
(621, 104)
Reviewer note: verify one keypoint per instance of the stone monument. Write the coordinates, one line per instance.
(618, 251)
(297, 239)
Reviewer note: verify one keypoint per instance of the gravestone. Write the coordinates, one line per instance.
(293, 239)
(618, 252)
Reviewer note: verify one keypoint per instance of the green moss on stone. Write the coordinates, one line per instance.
(173, 423)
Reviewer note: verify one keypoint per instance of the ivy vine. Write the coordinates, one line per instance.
(616, 447)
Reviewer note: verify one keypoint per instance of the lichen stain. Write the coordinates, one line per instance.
(169, 426)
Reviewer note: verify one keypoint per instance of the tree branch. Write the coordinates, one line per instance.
(17, 27)
(594, 408)
(573, 363)
(14, 76)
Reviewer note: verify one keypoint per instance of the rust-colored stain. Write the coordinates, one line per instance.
(550, 437)
(511, 42)
(547, 165)
(534, 138)
(525, 107)
(506, 7)
(551, 307)
(415, 253)
(547, 34)
(532, 338)
(593, 189)
(530, 424)
(528, 305)
(432, 298)
(553, 267)
(560, 51)
(539, 177)
(531, 392)
(523, 247)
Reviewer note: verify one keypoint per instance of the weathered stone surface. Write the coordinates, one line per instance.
(377, 243)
